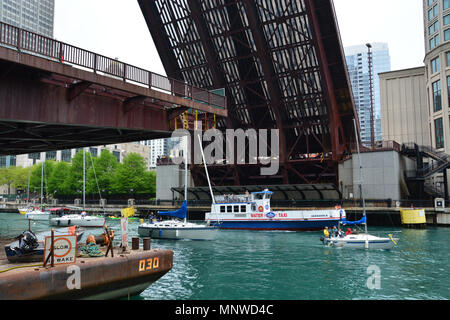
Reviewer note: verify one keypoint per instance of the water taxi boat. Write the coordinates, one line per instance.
(253, 212)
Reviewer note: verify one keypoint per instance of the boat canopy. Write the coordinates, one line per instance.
(180, 213)
(263, 192)
(346, 222)
(59, 209)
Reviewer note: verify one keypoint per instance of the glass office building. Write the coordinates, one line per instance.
(32, 15)
(358, 68)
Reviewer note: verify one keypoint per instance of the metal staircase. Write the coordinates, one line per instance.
(420, 178)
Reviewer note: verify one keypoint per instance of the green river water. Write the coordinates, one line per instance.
(258, 265)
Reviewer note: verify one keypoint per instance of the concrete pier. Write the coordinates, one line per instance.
(378, 215)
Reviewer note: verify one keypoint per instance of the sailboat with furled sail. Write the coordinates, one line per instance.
(178, 227)
(39, 213)
(61, 219)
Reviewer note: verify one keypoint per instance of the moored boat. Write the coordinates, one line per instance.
(62, 218)
(25, 210)
(177, 229)
(37, 214)
(29, 247)
(123, 275)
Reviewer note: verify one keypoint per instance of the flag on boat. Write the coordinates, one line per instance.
(128, 212)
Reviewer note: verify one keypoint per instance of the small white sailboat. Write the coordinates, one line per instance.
(83, 220)
(363, 240)
(177, 229)
(359, 240)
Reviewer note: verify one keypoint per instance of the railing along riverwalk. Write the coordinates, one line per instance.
(37, 44)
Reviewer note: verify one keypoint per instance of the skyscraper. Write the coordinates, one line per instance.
(32, 15)
(358, 68)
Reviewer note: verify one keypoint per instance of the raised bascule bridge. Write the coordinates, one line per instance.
(281, 65)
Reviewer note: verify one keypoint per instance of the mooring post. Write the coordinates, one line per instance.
(52, 249)
(51, 254)
(110, 247)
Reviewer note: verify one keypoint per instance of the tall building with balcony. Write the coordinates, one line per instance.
(437, 62)
(358, 69)
(33, 15)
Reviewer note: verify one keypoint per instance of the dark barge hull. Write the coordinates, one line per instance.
(100, 278)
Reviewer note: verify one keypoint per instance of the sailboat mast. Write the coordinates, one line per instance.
(84, 180)
(360, 175)
(28, 189)
(42, 185)
(186, 173)
(206, 170)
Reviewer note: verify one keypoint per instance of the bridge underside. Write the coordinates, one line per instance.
(282, 65)
(37, 113)
(50, 102)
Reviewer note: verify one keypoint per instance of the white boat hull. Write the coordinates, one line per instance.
(37, 215)
(190, 231)
(362, 241)
(77, 220)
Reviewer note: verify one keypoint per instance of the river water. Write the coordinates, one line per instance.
(258, 265)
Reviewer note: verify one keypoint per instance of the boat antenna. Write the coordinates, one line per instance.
(360, 175)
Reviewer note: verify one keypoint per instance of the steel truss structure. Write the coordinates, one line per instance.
(282, 65)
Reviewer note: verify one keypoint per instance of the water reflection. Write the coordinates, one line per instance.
(246, 265)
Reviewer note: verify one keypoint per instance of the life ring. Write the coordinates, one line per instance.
(260, 209)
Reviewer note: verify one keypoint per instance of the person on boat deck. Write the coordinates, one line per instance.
(355, 231)
(326, 233)
(349, 231)
(340, 233)
(335, 231)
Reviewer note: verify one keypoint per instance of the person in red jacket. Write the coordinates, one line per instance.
(349, 231)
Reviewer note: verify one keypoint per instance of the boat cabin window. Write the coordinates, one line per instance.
(236, 208)
(229, 209)
(259, 196)
(222, 209)
(243, 208)
(253, 207)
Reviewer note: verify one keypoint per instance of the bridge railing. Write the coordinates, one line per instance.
(34, 43)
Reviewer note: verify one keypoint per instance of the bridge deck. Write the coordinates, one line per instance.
(57, 96)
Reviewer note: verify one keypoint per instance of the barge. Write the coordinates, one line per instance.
(124, 275)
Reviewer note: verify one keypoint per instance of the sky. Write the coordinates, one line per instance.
(117, 29)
